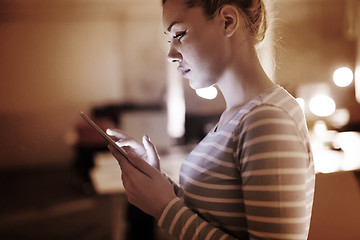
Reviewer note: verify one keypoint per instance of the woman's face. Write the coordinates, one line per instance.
(196, 43)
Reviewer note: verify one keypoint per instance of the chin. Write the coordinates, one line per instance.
(192, 84)
(196, 84)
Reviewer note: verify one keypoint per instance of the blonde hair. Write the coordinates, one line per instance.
(254, 12)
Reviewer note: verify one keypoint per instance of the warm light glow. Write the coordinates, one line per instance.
(349, 143)
(357, 83)
(343, 77)
(340, 118)
(207, 93)
(175, 103)
(301, 102)
(322, 106)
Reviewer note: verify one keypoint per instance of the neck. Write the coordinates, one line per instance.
(244, 79)
(239, 89)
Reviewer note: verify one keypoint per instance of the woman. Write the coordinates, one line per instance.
(252, 176)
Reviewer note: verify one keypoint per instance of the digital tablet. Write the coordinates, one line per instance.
(103, 134)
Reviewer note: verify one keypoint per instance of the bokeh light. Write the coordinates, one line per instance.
(322, 106)
(343, 77)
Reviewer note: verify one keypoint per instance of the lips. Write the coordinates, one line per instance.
(183, 70)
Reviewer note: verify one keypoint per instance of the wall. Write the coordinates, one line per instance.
(60, 57)
(312, 40)
(336, 211)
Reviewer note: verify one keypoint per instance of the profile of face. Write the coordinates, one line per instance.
(197, 43)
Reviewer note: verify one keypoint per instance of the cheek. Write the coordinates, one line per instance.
(211, 48)
(202, 53)
(213, 58)
(198, 47)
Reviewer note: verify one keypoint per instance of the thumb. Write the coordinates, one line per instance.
(151, 152)
(133, 164)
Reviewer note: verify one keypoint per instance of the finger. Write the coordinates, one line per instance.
(133, 165)
(117, 133)
(149, 147)
(125, 165)
(143, 166)
(151, 152)
(127, 142)
(123, 138)
(135, 161)
(118, 156)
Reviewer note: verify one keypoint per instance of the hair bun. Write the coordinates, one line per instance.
(257, 20)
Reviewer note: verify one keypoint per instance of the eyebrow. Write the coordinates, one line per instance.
(171, 25)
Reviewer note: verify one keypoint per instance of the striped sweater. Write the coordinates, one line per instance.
(253, 178)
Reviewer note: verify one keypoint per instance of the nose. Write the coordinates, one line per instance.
(174, 55)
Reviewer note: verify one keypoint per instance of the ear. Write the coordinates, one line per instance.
(231, 19)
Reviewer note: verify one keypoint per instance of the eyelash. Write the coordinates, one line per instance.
(180, 35)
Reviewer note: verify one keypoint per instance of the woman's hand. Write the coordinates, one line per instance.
(145, 150)
(146, 188)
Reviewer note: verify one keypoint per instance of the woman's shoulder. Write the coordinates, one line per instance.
(281, 116)
(273, 105)
(275, 101)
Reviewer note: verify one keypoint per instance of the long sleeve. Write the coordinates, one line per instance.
(253, 178)
(277, 175)
(183, 223)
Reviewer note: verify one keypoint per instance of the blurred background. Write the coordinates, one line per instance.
(108, 59)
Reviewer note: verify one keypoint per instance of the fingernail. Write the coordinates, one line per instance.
(109, 131)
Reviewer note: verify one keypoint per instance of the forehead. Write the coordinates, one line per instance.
(175, 11)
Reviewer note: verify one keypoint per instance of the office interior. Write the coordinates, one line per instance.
(108, 59)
